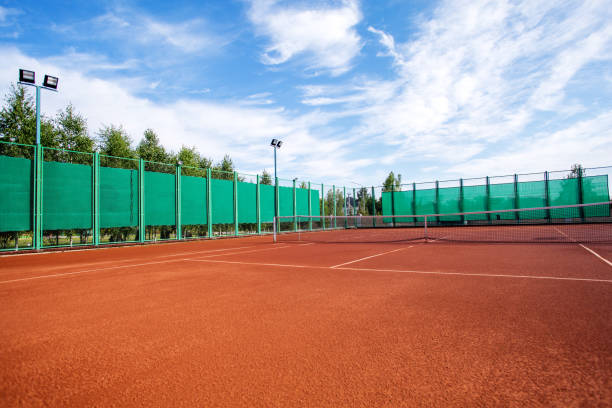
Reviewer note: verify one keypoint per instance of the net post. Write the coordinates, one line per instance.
(178, 172)
(437, 205)
(393, 204)
(309, 208)
(209, 202)
(141, 198)
(96, 199)
(373, 207)
(488, 199)
(258, 206)
(354, 202)
(516, 197)
(322, 206)
(345, 213)
(295, 226)
(461, 205)
(235, 204)
(414, 202)
(334, 201)
(547, 196)
(37, 184)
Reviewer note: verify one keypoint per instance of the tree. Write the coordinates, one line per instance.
(392, 183)
(114, 141)
(224, 170)
(303, 185)
(18, 124)
(576, 171)
(266, 178)
(71, 134)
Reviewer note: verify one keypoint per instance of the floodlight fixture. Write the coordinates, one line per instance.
(26, 76)
(279, 144)
(50, 82)
(274, 142)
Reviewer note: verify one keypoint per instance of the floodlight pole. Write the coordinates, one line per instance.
(38, 87)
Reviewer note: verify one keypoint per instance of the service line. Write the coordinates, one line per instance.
(368, 257)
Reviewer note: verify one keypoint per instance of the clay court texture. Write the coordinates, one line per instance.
(248, 322)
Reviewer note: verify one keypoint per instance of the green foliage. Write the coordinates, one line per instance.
(114, 141)
(392, 183)
(329, 203)
(265, 178)
(576, 171)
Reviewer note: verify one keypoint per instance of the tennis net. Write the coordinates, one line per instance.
(581, 223)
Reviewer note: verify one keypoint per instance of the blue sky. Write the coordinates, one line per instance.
(355, 89)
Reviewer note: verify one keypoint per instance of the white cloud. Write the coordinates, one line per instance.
(324, 35)
(215, 128)
(478, 74)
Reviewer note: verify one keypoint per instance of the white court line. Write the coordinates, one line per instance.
(588, 249)
(371, 256)
(129, 266)
(88, 271)
(480, 275)
(254, 250)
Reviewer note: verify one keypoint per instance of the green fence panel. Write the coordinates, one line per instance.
(315, 204)
(160, 198)
(449, 203)
(563, 192)
(502, 198)
(286, 201)
(595, 190)
(118, 197)
(266, 202)
(222, 192)
(15, 194)
(193, 200)
(67, 198)
(247, 202)
(425, 202)
(532, 194)
(475, 199)
(387, 205)
(301, 195)
(403, 202)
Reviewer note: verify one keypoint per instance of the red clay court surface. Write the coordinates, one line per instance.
(245, 322)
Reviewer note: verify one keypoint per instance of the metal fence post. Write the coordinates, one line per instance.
(141, 203)
(580, 193)
(96, 198)
(179, 230)
(322, 206)
(393, 204)
(516, 197)
(373, 207)
(209, 202)
(488, 199)
(276, 203)
(38, 183)
(437, 204)
(236, 224)
(547, 196)
(334, 201)
(295, 226)
(309, 208)
(461, 205)
(414, 202)
(258, 206)
(345, 213)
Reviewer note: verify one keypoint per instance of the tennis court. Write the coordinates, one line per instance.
(249, 322)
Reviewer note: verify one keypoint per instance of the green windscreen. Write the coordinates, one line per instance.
(16, 194)
(301, 195)
(425, 202)
(286, 201)
(247, 202)
(314, 200)
(160, 198)
(475, 199)
(501, 197)
(449, 203)
(222, 192)
(532, 194)
(118, 197)
(67, 197)
(193, 200)
(595, 190)
(267, 202)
